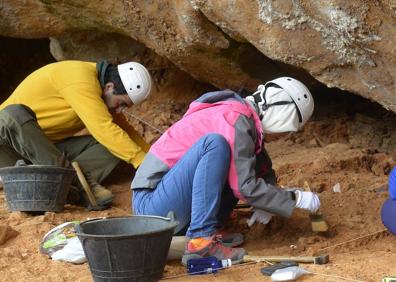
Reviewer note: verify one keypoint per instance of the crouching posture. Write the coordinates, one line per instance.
(213, 156)
(40, 119)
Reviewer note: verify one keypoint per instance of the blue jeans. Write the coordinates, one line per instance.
(193, 189)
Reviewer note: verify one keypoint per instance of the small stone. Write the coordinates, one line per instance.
(299, 140)
(351, 186)
(49, 217)
(6, 233)
(314, 143)
(301, 245)
(337, 188)
(320, 188)
(377, 169)
(289, 142)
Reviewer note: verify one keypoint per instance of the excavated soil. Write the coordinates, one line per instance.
(348, 144)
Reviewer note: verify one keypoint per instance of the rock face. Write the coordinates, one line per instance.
(229, 43)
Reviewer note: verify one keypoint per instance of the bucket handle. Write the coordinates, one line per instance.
(77, 228)
(20, 163)
(172, 217)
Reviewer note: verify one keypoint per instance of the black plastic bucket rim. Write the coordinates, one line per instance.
(33, 168)
(170, 218)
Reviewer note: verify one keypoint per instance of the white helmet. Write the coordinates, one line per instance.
(299, 93)
(136, 80)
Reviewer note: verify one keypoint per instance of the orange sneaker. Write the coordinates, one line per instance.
(212, 246)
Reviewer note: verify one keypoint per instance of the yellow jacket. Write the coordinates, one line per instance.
(66, 97)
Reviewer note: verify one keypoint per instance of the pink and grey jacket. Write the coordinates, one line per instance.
(250, 177)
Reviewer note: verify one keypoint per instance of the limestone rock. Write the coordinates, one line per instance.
(344, 44)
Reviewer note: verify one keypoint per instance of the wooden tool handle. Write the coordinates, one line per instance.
(84, 184)
(277, 258)
(122, 122)
(303, 259)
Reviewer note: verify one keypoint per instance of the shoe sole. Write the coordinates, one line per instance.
(105, 202)
(192, 256)
(233, 245)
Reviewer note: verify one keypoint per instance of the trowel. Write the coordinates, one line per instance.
(318, 223)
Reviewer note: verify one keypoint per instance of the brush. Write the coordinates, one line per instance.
(318, 222)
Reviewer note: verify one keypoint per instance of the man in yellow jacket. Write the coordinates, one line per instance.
(40, 119)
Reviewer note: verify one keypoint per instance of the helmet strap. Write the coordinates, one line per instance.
(279, 103)
(259, 97)
(101, 71)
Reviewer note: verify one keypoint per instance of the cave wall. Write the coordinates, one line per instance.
(229, 43)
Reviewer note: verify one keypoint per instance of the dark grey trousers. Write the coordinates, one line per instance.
(21, 137)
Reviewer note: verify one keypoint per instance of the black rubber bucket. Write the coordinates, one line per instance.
(133, 248)
(36, 187)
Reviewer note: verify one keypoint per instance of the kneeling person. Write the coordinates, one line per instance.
(40, 119)
(214, 156)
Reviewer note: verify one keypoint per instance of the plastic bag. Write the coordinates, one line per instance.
(288, 273)
(62, 243)
(71, 252)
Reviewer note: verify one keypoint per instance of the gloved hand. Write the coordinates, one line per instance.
(259, 216)
(307, 201)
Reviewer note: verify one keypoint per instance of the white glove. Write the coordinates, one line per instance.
(259, 216)
(307, 201)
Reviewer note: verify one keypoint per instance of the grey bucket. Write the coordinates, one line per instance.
(36, 187)
(132, 248)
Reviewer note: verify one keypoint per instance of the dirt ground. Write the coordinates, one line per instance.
(344, 145)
